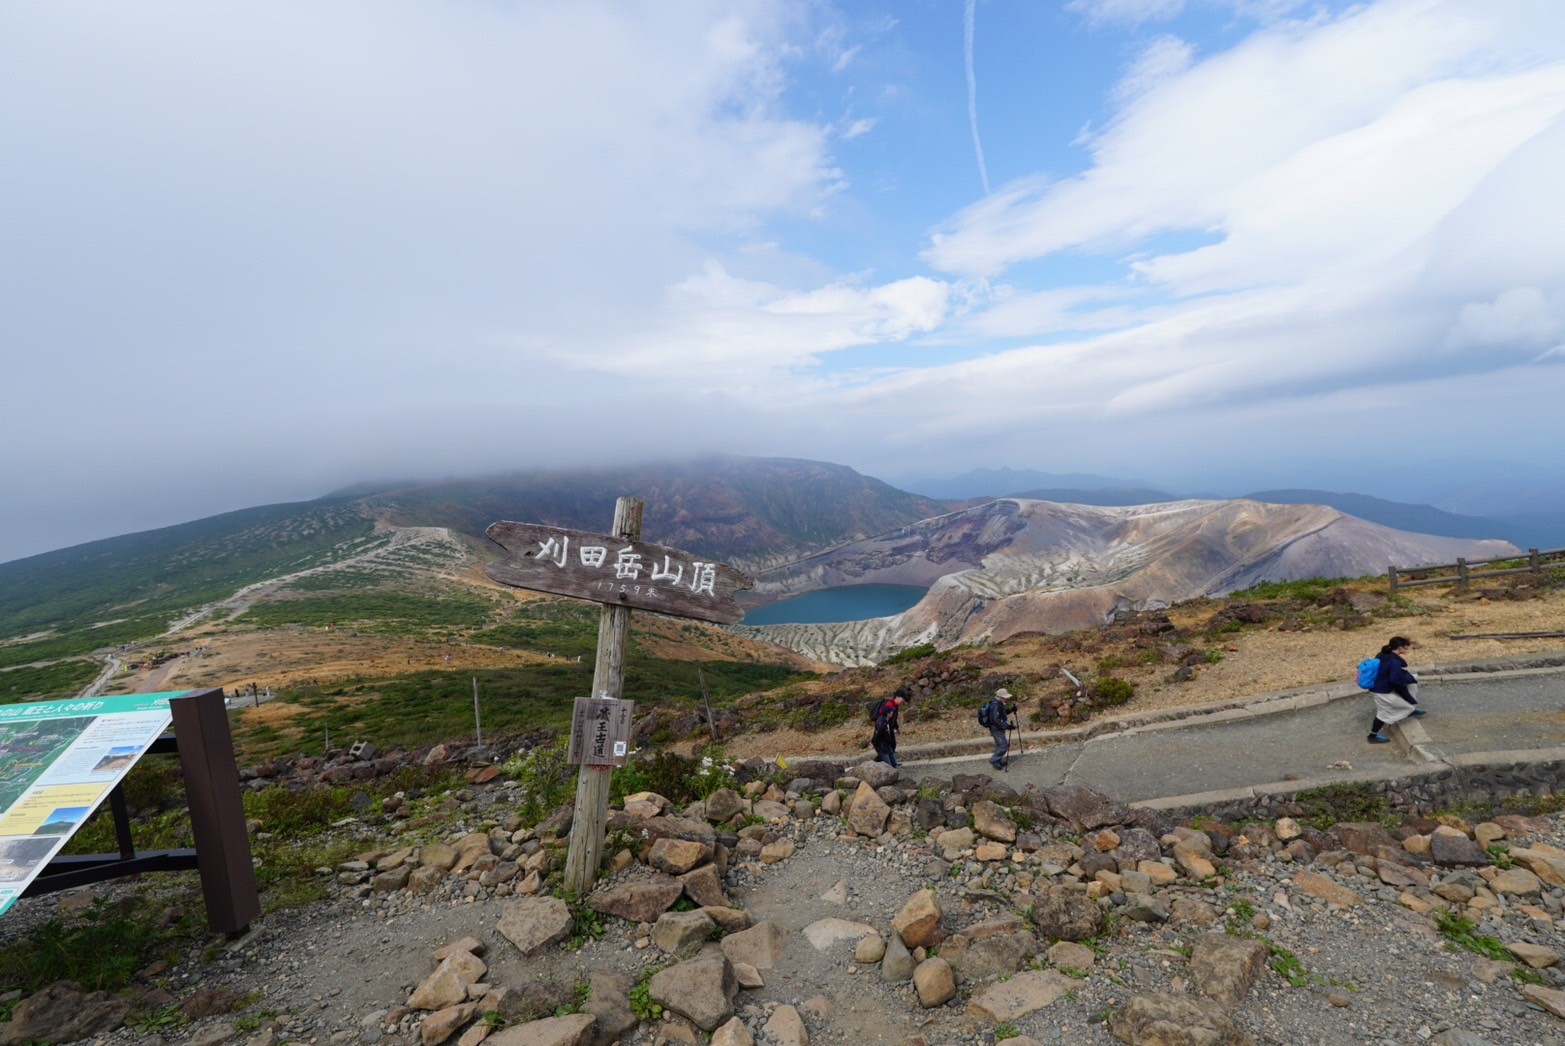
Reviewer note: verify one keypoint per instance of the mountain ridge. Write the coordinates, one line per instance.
(1016, 565)
(759, 514)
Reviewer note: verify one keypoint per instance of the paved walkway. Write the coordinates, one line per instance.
(1508, 710)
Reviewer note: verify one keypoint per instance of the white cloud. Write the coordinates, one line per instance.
(1126, 12)
(468, 235)
(1520, 318)
(857, 129)
(1321, 168)
(1159, 61)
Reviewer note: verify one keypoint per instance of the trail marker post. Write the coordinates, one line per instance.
(623, 573)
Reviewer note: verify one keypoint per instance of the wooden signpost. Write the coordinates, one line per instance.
(623, 573)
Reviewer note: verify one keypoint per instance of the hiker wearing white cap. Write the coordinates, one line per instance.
(999, 715)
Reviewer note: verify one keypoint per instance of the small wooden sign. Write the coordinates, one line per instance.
(600, 732)
(616, 571)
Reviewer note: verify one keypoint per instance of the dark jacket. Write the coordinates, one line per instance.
(886, 722)
(1394, 677)
(1000, 713)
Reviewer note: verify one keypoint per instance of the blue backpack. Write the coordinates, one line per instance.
(1368, 672)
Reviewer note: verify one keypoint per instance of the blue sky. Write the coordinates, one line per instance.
(259, 251)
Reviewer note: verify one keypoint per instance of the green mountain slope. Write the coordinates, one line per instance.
(105, 592)
(749, 511)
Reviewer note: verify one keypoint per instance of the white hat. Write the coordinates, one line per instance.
(1003, 694)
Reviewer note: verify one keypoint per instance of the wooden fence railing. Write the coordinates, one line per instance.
(1461, 573)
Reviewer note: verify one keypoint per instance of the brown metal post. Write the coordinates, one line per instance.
(217, 815)
(590, 815)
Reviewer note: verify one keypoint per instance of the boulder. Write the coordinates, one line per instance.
(876, 774)
(62, 1012)
(1328, 890)
(678, 856)
(469, 849)
(935, 982)
(919, 921)
(992, 822)
(1452, 849)
(897, 964)
(609, 1002)
(1067, 916)
(704, 885)
(824, 934)
(571, 1030)
(445, 1022)
(1083, 808)
(869, 813)
(722, 805)
(535, 923)
(761, 945)
(701, 989)
(1225, 968)
(441, 989)
(1175, 1020)
(676, 931)
(786, 1028)
(1026, 993)
(734, 1033)
(638, 900)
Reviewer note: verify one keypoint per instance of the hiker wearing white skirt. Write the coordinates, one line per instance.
(1395, 689)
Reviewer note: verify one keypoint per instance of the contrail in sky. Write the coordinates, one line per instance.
(972, 92)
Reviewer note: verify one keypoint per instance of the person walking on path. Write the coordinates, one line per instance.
(887, 726)
(998, 715)
(1395, 689)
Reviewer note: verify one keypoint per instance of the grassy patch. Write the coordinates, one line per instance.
(397, 613)
(45, 682)
(547, 780)
(426, 707)
(78, 641)
(99, 949)
(1307, 590)
(1458, 929)
(1346, 801)
(912, 653)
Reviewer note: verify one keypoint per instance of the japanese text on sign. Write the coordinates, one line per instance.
(600, 732)
(627, 565)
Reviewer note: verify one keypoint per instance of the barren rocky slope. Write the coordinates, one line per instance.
(849, 906)
(1015, 566)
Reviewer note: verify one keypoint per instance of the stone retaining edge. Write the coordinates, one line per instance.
(1254, 706)
(1511, 758)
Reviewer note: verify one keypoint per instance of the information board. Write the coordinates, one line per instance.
(58, 761)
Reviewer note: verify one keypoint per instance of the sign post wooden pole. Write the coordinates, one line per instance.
(608, 681)
(623, 573)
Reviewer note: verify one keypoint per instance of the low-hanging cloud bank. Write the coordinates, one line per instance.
(277, 248)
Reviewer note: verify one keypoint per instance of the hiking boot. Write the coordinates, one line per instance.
(1379, 739)
(1419, 712)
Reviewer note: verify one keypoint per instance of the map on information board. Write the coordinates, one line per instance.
(58, 761)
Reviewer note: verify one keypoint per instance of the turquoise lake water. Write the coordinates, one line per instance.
(854, 603)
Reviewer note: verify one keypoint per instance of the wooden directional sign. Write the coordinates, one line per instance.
(600, 732)
(627, 573)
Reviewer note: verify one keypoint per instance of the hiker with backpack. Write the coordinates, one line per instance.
(887, 725)
(1394, 687)
(999, 715)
